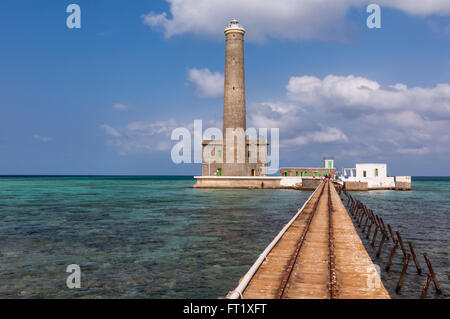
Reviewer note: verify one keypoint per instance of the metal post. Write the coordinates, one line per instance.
(401, 243)
(370, 227)
(391, 232)
(416, 261)
(361, 219)
(365, 223)
(425, 287)
(384, 228)
(391, 256)
(433, 275)
(381, 245)
(402, 276)
(374, 236)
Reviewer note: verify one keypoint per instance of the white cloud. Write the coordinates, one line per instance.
(325, 135)
(110, 130)
(358, 118)
(275, 114)
(415, 151)
(289, 19)
(353, 118)
(298, 126)
(142, 137)
(417, 7)
(209, 84)
(361, 95)
(43, 139)
(120, 107)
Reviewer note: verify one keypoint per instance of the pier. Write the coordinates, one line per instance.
(317, 255)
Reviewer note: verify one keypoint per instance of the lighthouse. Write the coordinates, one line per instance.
(234, 155)
(234, 89)
(234, 115)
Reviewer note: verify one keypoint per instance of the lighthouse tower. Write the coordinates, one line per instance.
(234, 115)
(235, 155)
(234, 93)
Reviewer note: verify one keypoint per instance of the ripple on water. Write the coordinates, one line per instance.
(137, 237)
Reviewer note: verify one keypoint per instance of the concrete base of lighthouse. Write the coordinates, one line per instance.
(252, 182)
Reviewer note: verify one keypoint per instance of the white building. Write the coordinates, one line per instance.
(374, 174)
(328, 163)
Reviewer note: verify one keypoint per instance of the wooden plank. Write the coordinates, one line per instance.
(356, 274)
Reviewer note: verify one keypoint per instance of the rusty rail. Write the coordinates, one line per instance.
(293, 259)
(402, 276)
(425, 287)
(391, 256)
(416, 261)
(333, 279)
(433, 275)
(402, 245)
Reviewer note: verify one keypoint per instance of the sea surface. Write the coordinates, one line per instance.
(157, 237)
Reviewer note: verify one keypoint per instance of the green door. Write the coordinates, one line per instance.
(219, 172)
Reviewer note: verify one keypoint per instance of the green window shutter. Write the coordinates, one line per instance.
(296, 173)
(219, 154)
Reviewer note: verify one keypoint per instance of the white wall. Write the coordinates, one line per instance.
(404, 179)
(380, 181)
(325, 163)
(370, 170)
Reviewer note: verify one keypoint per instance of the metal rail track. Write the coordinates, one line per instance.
(332, 262)
(288, 272)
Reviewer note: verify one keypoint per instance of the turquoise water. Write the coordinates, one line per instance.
(133, 237)
(422, 216)
(156, 237)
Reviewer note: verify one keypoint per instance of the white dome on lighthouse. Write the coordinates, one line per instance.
(234, 25)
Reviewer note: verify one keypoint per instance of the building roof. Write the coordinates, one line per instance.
(234, 25)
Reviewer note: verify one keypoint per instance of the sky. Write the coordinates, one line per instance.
(105, 98)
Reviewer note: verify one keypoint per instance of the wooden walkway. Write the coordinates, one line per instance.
(320, 255)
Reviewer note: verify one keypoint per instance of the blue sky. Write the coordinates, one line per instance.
(104, 99)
